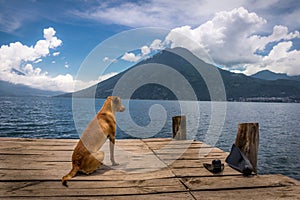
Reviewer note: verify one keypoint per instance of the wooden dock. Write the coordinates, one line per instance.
(149, 169)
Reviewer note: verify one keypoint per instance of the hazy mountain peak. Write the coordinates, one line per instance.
(269, 75)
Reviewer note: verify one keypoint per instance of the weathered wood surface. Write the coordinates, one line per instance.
(179, 127)
(247, 141)
(149, 169)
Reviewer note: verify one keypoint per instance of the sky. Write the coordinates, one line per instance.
(49, 44)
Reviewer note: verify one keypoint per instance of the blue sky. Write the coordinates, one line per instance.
(48, 41)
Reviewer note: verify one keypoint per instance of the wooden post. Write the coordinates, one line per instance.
(179, 127)
(247, 140)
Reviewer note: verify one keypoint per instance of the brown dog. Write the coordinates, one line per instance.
(86, 156)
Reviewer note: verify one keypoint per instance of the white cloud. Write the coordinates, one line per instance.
(161, 13)
(145, 50)
(170, 13)
(222, 37)
(14, 54)
(107, 59)
(232, 40)
(30, 71)
(34, 78)
(281, 59)
(279, 33)
(49, 33)
(228, 33)
(153, 12)
(38, 61)
(131, 57)
(55, 53)
(22, 58)
(156, 45)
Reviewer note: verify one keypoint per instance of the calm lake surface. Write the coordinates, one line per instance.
(212, 122)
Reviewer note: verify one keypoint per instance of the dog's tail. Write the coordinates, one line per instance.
(70, 175)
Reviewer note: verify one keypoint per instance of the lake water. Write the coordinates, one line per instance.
(215, 123)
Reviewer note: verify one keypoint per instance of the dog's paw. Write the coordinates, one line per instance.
(115, 164)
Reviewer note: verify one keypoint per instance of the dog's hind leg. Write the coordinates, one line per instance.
(92, 162)
(99, 155)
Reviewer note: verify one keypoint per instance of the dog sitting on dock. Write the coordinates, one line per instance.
(86, 156)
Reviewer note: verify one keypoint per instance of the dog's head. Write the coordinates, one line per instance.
(117, 104)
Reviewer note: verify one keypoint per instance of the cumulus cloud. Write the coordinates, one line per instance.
(145, 50)
(281, 59)
(157, 45)
(222, 32)
(12, 55)
(19, 57)
(279, 33)
(131, 57)
(232, 40)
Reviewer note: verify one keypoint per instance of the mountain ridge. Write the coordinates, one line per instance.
(239, 87)
(269, 75)
(10, 89)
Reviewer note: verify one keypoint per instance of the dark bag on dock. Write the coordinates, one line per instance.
(238, 161)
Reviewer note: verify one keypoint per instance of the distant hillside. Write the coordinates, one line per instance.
(238, 86)
(269, 75)
(10, 89)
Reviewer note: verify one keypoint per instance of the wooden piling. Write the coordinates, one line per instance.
(179, 127)
(247, 140)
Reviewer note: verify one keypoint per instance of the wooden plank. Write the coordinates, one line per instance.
(15, 157)
(202, 172)
(20, 145)
(4, 142)
(174, 144)
(190, 156)
(12, 139)
(101, 174)
(149, 169)
(95, 188)
(286, 193)
(180, 150)
(77, 184)
(238, 182)
(29, 165)
(158, 196)
(193, 163)
(157, 140)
